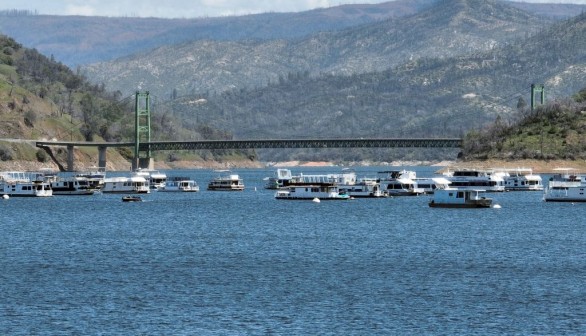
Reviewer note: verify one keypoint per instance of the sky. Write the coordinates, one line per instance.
(183, 8)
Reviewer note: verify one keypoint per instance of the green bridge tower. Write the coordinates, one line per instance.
(142, 131)
(537, 89)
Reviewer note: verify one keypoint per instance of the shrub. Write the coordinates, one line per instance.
(42, 155)
(6, 153)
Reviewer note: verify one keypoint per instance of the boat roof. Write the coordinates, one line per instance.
(441, 180)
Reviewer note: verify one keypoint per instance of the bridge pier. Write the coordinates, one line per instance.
(102, 157)
(70, 157)
(143, 163)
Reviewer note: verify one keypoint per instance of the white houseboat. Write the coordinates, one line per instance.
(321, 191)
(400, 183)
(20, 184)
(95, 177)
(155, 179)
(521, 179)
(566, 186)
(365, 187)
(126, 185)
(73, 185)
(476, 179)
(226, 182)
(459, 198)
(283, 177)
(180, 184)
(429, 184)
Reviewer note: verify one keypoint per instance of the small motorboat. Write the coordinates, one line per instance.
(131, 199)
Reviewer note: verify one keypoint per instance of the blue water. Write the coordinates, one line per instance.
(243, 263)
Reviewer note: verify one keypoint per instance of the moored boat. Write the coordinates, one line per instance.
(73, 185)
(226, 182)
(95, 177)
(126, 185)
(429, 184)
(566, 186)
(180, 184)
(487, 180)
(321, 191)
(20, 184)
(521, 179)
(400, 183)
(459, 198)
(155, 179)
(283, 177)
(364, 188)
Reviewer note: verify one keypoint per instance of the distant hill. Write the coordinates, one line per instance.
(447, 29)
(80, 40)
(425, 97)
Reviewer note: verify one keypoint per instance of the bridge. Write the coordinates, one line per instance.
(250, 144)
(143, 145)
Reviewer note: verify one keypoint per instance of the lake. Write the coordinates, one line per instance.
(243, 263)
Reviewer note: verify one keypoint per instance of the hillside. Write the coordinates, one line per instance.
(447, 29)
(555, 131)
(426, 97)
(43, 99)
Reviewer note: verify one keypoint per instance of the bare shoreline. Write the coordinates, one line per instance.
(538, 166)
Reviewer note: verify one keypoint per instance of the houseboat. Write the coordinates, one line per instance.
(73, 185)
(429, 184)
(521, 179)
(487, 180)
(400, 183)
(226, 182)
(126, 185)
(155, 179)
(459, 198)
(283, 177)
(566, 186)
(20, 184)
(180, 184)
(321, 191)
(95, 177)
(364, 188)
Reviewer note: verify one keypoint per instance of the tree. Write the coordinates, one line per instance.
(91, 116)
(580, 97)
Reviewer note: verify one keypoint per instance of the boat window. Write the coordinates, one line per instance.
(460, 194)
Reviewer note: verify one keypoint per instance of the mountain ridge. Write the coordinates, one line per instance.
(80, 40)
(205, 66)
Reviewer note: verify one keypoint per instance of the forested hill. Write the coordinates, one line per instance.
(425, 97)
(80, 40)
(556, 130)
(449, 28)
(41, 99)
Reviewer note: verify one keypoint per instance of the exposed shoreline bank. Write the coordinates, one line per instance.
(538, 166)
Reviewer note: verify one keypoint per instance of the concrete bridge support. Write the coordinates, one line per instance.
(102, 157)
(70, 157)
(143, 163)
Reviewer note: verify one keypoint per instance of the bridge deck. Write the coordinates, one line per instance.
(271, 143)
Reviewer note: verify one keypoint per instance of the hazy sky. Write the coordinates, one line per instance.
(183, 8)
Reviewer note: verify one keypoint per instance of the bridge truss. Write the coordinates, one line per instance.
(306, 143)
